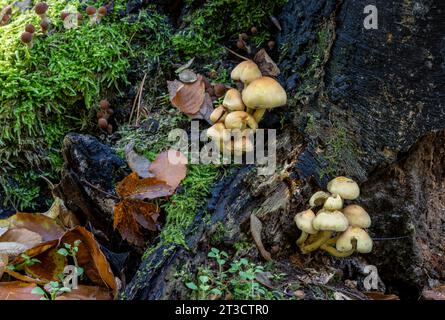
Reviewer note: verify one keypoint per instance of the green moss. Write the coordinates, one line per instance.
(54, 87)
(213, 20)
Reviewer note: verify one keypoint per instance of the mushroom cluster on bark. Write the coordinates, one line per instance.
(243, 110)
(335, 229)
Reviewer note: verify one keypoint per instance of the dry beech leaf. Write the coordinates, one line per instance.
(187, 97)
(267, 66)
(3, 231)
(51, 265)
(437, 293)
(86, 293)
(380, 296)
(187, 65)
(133, 187)
(205, 110)
(136, 162)
(17, 290)
(255, 228)
(90, 257)
(170, 166)
(37, 250)
(23, 236)
(129, 215)
(46, 227)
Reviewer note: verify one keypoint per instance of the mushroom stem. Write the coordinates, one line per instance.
(250, 111)
(258, 114)
(324, 236)
(335, 252)
(302, 238)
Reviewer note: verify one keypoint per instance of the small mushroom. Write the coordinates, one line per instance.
(64, 15)
(233, 101)
(246, 72)
(30, 28)
(219, 114)
(41, 9)
(332, 203)
(254, 30)
(91, 12)
(264, 93)
(357, 216)
(318, 198)
(103, 123)
(345, 187)
(219, 89)
(330, 221)
(101, 12)
(326, 222)
(354, 234)
(104, 104)
(303, 220)
(240, 120)
(218, 133)
(26, 38)
(44, 24)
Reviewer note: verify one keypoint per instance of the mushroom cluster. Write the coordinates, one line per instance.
(335, 229)
(96, 15)
(104, 115)
(5, 15)
(244, 110)
(41, 9)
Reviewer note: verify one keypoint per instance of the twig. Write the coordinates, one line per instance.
(51, 185)
(139, 100)
(100, 190)
(236, 54)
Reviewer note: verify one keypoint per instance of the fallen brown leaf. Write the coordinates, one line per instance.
(129, 215)
(267, 66)
(205, 110)
(23, 236)
(46, 227)
(187, 97)
(51, 265)
(4, 258)
(17, 290)
(375, 295)
(170, 166)
(136, 162)
(255, 228)
(133, 187)
(90, 257)
(437, 293)
(86, 293)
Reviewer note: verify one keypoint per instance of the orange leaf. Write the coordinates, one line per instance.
(51, 265)
(17, 290)
(134, 187)
(46, 227)
(90, 257)
(187, 97)
(21, 235)
(86, 293)
(129, 215)
(170, 166)
(3, 263)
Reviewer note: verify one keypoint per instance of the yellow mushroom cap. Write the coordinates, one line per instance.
(304, 219)
(219, 114)
(357, 216)
(264, 93)
(218, 132)
(318, 198)
(233, 101)
(364, 241)
(345, 187)
(240, 120)
(246, 72)
(334, 202)
(330, 221)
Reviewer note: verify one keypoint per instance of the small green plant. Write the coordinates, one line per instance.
(71, 251)
(53, 289)
(27, 262)
(237, 278)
